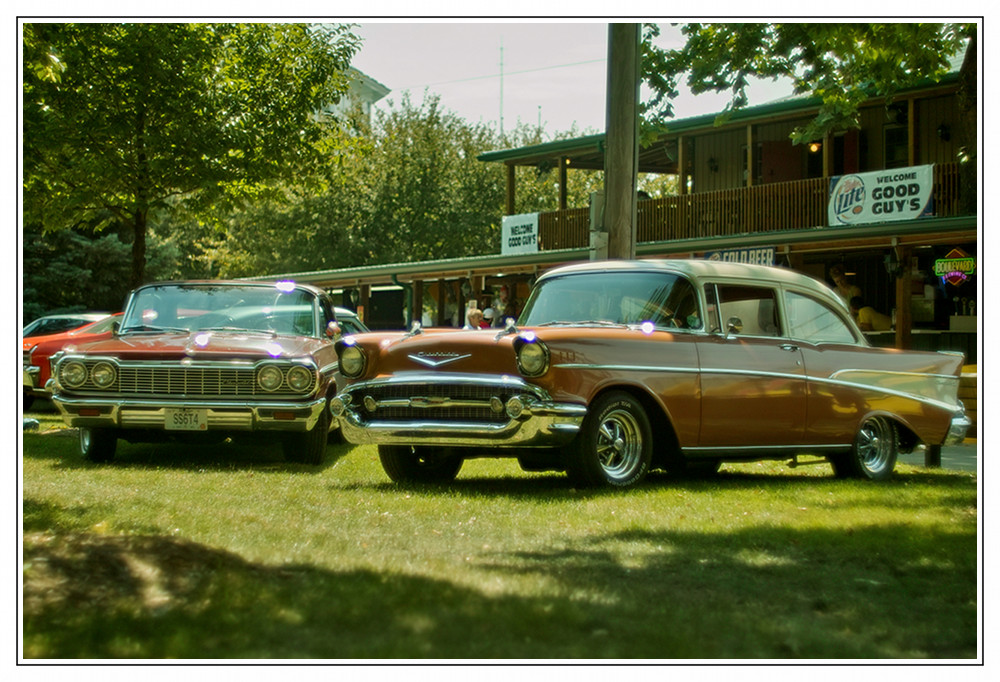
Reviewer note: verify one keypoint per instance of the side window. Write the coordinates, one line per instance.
(751, 311)
(811, 320)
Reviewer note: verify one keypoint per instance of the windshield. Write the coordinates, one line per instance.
(664, 300)
(279, 309)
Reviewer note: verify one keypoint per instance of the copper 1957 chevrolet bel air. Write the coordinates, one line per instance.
(616, 368)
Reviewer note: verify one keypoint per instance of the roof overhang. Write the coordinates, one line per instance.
(818, 239)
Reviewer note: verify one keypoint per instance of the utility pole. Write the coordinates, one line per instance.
(621, 153)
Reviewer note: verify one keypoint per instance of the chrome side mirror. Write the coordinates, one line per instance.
(734, 326)
(333, 330)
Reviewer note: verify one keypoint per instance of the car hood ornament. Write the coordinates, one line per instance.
(437, 359)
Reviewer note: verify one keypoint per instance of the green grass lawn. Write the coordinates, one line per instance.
(228, 552)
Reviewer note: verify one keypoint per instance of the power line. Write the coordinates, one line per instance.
(504, 74)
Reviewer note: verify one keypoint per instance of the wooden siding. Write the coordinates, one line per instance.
(774, 207)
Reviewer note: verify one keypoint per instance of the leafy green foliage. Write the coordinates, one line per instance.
(406, 187)
(71, 271)
(123, 120)
(842, 64)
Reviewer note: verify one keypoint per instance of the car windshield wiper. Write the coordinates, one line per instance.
(580, 323)
(242, 330)
(151, 329)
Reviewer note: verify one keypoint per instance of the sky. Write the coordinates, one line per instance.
(554, 73)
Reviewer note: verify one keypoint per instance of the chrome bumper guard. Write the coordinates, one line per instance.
(532, 418)
(960, 425)
(222, 415)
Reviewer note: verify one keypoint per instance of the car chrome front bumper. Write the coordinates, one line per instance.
(221, 415)
(506, 412)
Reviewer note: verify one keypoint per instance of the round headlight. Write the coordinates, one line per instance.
(73, 374)
(299, 378)
(269, 378)
(532, 358)
(103, 374)
(352, 361)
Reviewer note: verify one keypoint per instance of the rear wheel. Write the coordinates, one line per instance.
(873, 455)
(615, 444)
(409, 464)
(98, 445)
(308, 447)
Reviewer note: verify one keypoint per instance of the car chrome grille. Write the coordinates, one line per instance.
(208, 381)
(438, 402)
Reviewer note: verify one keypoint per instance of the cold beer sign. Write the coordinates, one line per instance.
(519, 233)
(882, 196)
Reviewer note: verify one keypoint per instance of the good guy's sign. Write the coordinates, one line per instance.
(881, 196)
(519, 233)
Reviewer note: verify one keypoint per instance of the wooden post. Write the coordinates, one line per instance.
(621, 157)
(904, 313)
(441, 302)
(563, 166)
(366, 293)
(417, 314)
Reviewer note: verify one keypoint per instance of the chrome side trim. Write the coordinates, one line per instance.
(934, 402)
(757, 449)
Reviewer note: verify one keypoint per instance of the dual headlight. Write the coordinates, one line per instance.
(297, 378)
(75, 374)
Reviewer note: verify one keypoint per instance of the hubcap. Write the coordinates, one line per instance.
(619, 444)
(875, 444)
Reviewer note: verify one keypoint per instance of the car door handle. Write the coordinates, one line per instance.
(790, 347)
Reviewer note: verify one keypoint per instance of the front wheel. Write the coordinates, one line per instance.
(615, 444)
(98, 445)
(409, 464)
(308, 447)
(873, 454)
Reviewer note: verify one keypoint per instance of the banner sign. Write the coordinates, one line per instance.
(519, 234)
(758, 256)
(881, 196)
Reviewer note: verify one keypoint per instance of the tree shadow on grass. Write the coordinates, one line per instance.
(761, 593)
(231, 455)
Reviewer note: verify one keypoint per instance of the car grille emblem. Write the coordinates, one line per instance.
(437, 359)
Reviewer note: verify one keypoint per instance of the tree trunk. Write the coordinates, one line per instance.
(138, 250)
(967, 104)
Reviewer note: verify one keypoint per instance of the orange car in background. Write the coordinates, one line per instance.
(37, 350)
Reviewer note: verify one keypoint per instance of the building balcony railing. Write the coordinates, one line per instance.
(774, 207)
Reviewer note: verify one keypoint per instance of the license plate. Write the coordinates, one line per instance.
(186, 419)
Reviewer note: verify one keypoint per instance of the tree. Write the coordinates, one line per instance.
(843, 64)
(124, 120)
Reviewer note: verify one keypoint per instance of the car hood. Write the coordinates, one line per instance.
(472, 351)
(206, 345)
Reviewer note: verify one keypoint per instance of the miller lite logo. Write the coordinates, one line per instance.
(848, 198)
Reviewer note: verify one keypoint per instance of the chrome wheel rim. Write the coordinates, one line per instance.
(619, 444)
(875, 444)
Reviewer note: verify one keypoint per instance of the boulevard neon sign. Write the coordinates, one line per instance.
(956, 267)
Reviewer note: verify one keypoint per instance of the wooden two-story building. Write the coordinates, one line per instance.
(883, 203)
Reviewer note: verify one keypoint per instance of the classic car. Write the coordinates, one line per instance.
(205, 361)
(54, 324)
(37, 351)
(616, 368)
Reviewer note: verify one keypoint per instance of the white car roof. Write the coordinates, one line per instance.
(697, 269)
